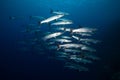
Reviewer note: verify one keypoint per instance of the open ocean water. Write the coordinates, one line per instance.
(20, 63)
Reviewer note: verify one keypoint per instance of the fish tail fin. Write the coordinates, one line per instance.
(39, 23)
(64, 29)
(58, 47)
(71, 31)
(51, 11)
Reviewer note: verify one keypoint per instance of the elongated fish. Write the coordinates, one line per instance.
(58, 12)
(59, 28)
(72, 50)
(36, 17)
(93, 57)
(62, 40)
(64, 19)
(62, 23)
(75, 66)
(53, 35)
(62, 53)
(80, 30)
(78, 59)
(71, 45)
(51, 18)
(65, 37)
(87, 49)
(84, 34)
(75, 37)
(89, 40)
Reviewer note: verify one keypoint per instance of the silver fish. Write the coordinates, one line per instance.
(75, 66)
(89, 40)
(51, 18)
(87, 49)
(75, 37)
(79, 59)
(64, 19)
(53, 35)
(93, 57)
(58, 12)
(80, 30)
(65, 37)
(62, 40)
(62, 23)
(71, 45)
(72, 50)
(60, 28)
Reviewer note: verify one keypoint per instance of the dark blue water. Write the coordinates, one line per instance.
(17, 65)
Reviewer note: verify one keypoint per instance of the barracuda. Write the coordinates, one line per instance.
(60, 28)
(64, 19)
(72, 50)
(62, 40)
(71, 45)
(89, 40)
(83, 30)
(65, 37)
(84, 34)
(51, 18)
(53, 35)
(75, 66)
(79, 59)
(62, 23)
(75, 37)
(88, 49)
(58, 12)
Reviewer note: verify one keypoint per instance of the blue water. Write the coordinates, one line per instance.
(101, 14)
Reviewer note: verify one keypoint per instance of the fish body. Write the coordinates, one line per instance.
(87, 49)
(65, 37)
(80, 30)
(71, 45)
(79, 59)
(36, 17)
(62, 40)
(89, 40)
(59, 12)
(64, 19)
(60, 29)
(84, 34)
(75, 66)
(72, 50)
(51, 18)
(75, 37)
(62, 23)
(53, 35)
(93, 57)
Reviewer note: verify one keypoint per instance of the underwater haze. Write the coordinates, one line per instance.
(34, 62)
